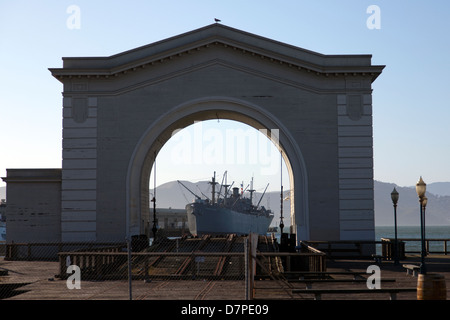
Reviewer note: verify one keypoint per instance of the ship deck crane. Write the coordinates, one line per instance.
(189, 190)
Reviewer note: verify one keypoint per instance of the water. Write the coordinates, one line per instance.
(431, 232)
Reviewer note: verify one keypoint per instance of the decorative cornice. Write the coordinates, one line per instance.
(216, 41)
(33, 175)
(213, 62)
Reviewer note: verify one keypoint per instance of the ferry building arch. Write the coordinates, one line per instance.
(118, 111)
(205, 109)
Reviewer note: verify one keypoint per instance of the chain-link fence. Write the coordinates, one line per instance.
(209, 267)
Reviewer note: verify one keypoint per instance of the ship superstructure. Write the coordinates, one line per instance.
(230, 213)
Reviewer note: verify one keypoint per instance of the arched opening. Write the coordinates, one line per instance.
(210, 108)
(235, 154)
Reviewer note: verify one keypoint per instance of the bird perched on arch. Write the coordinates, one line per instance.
(217, 20)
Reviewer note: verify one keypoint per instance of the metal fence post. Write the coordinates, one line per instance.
(129, 268)
(247, 269)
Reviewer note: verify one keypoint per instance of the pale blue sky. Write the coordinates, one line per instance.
(410, 102)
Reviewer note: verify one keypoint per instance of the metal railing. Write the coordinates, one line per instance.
(188, 260)
(184, 265)
(412, 245)
(345, 248)
(48, 251)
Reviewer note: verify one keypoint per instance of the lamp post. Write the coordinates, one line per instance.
(421, 187)
(394, 197)
(424, 205)
(155, 220)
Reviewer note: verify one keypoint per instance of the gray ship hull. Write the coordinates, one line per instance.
(209, 219)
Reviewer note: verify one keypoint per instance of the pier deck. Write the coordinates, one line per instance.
(39, 283)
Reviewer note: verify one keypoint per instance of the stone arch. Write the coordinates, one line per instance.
(142, 159)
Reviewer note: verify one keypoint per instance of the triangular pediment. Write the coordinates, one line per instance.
(211, 36)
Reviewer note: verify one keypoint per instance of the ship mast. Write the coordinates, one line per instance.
(262, 196)
(226, 185)
(251, 191)
(221, 185)
(213, 183)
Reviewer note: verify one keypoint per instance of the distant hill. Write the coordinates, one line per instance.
(408, 210)
(437, 211)
(439, 188)
(171, 194)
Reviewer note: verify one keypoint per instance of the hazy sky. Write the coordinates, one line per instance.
(411, 102)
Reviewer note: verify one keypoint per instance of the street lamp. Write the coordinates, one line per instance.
(421, 187)
(155, 220)
(424, 205)
(394, 197)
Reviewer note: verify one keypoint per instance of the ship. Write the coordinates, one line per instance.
(2, 231)
(228, 213)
